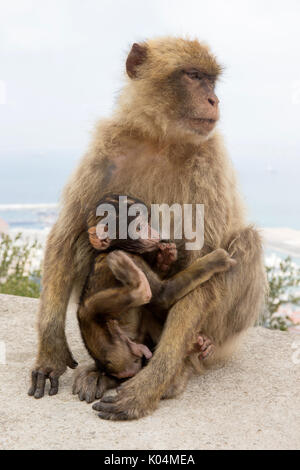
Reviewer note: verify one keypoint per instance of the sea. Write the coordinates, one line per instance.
(30, 188)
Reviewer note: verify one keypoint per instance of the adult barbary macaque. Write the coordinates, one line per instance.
(161, 146)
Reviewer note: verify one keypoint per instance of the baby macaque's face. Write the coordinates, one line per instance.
(145, 238)
(120, 362)
(118, 355)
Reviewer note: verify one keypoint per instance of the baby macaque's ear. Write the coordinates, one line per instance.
(140, 350)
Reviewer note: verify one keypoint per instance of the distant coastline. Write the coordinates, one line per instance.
(35, 220)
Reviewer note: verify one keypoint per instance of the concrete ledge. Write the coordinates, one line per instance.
(251, 403)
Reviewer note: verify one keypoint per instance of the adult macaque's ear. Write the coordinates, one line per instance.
(136, 57)
(140, 350)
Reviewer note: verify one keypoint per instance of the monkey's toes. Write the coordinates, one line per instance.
(91, 384)
(222, 260)
(205, 346)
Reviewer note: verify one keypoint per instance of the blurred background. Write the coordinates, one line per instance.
(62, 64)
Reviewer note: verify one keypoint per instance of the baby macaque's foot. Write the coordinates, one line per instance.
(166, 256)
(126, 271)
(205, 346)
(220, 260)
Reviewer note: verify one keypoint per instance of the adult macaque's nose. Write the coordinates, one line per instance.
(213, 100)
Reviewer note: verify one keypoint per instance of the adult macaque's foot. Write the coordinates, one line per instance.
(91, 384)
(131, 402)
(166, 256)
(41, 373)
(205, 346)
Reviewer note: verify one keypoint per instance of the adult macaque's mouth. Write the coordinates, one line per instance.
(204, 120)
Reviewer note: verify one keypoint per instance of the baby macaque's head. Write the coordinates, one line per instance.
(140, 236)
(118, 355)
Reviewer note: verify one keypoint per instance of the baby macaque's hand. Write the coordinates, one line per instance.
(96, 242)
(166, 256)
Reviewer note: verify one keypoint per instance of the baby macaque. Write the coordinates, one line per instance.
(126, 298)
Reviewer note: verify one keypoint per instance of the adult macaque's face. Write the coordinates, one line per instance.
(199, 110)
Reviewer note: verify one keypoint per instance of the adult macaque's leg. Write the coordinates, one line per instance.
(53, 352)
(222, 308)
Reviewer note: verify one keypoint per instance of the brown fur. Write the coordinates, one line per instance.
(147, 149)
(114, 327)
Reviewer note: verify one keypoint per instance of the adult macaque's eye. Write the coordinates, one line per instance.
(193, 75)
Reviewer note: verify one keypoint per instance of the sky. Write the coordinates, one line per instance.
(62, 64)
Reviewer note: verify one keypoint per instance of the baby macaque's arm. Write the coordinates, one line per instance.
(166, 293)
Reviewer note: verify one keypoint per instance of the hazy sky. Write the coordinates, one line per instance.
(62, 62)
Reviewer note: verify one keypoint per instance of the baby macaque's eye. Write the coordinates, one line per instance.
(136, 361)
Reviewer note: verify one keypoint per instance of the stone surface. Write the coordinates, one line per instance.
(251, 403)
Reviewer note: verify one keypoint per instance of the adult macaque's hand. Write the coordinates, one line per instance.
(48, 370)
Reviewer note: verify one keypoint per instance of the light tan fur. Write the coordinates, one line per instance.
(146, 150)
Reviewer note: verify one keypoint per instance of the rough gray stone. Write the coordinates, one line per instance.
(251, 403)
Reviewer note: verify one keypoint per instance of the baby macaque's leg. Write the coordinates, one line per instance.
(167, 292)
(114, 301)
(131, 276)
(194, 275)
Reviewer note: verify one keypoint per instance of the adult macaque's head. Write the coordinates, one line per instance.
(172, 86)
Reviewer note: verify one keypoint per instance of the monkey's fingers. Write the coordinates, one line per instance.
(54, 381)
(122, 416)
(108, 411)
(40, 385)
(32, 389)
